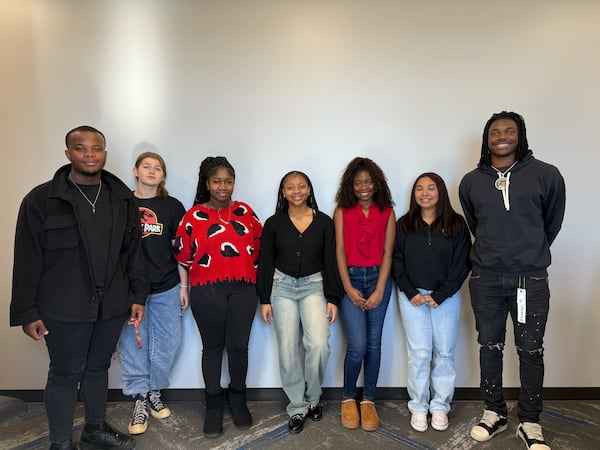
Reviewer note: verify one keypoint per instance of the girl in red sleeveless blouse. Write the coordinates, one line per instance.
(365, 231)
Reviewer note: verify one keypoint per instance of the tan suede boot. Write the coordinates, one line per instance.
(368, 416)
(350, 417)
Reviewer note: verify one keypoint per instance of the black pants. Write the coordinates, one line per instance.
(493, 297)
(80, 354)
(224, 313)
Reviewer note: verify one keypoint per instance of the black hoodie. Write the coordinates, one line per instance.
(514, 241)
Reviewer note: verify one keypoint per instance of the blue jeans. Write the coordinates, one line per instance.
(430, 342)
(493, 297)
(364, 329)
(147, 369)
(300, 302)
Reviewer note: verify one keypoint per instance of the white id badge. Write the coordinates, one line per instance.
(521, 305)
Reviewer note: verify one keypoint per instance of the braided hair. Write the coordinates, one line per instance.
(208, 168)
(282, 202)
(522, 146)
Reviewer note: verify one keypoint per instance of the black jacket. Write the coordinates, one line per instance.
(52, 273)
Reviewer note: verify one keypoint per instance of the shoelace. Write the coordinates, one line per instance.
(140, 412)
(155, 401)
(533, 431)
(489, 418)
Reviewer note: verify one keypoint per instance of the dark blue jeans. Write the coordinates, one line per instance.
(80, 355)
(364, 329)
(492, 298)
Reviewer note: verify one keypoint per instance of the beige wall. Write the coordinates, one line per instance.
(308, 85)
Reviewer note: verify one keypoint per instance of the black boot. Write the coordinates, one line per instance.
(239, 411)
(64, 445)
(213, 420)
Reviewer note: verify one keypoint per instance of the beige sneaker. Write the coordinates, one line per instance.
(418, 421)
(531, 433)
(490, 425)
(439, 420)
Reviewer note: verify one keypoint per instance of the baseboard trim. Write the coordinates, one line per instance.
(276, 394)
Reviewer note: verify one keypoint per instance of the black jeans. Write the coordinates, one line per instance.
(224, 313)
(492, 298)
(80, 354)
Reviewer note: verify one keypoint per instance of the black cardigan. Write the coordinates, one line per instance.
(298, 254)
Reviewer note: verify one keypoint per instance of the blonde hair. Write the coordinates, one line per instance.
(161, 190)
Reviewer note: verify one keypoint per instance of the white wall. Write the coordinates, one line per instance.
(308, 85)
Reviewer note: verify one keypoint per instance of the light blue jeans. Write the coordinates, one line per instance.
(300, 302)
(430, 341)
(147, 369)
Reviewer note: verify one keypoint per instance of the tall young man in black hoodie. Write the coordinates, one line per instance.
(79, 273)
(514, 205)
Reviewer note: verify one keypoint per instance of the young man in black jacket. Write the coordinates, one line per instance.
(514, 205)
(78, 275)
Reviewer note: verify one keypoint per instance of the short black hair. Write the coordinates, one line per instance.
(83, 128)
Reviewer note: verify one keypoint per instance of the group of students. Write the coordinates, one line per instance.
(304, 268)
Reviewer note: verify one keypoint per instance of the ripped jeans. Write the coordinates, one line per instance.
(493, 297)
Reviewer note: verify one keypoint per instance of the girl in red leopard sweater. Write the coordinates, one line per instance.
(218, 240)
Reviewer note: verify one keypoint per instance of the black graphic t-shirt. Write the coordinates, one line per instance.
(160, 217)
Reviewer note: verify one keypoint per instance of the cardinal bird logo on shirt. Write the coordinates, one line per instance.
(150, 223)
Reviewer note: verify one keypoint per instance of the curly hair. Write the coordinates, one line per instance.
(208, 168)
(161, 190)
(345, 197)
(522, 146)
(282, 202)
(447, 220)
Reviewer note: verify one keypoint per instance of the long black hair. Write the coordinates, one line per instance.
(447, 220)
(522, 146)
(345, 197)
(282, 203)
(208, 168)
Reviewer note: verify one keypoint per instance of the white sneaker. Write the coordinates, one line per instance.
(531, 433)
(439, 420)
(490, 425)
(419, 421)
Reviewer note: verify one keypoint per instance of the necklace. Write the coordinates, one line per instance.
(503, 182)
(502, 178)
(92, 204)
(226, 222)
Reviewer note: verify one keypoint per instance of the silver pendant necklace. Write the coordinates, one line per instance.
(503, 183)
(502, 178)
(92, 204)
